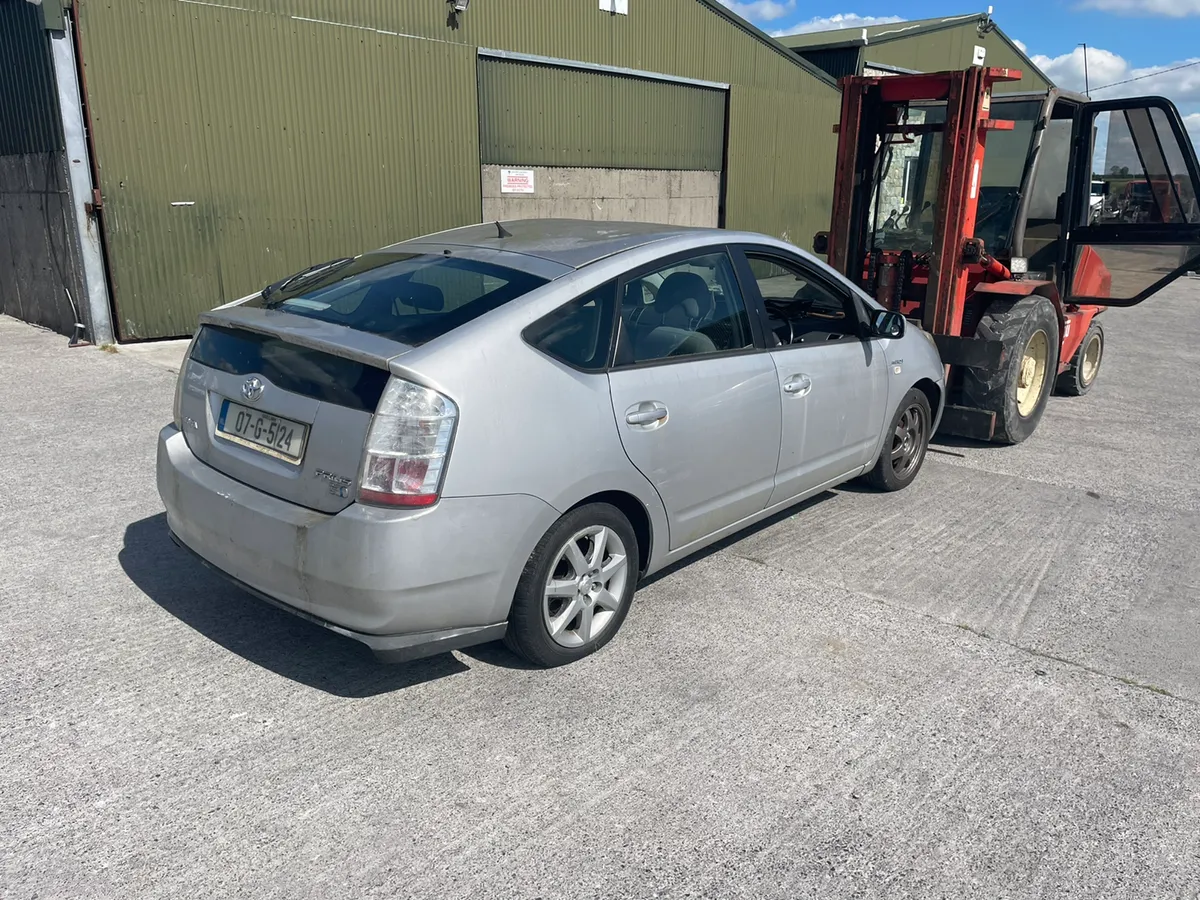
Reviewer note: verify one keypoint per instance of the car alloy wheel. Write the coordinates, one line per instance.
(908, 441)
(584, 589)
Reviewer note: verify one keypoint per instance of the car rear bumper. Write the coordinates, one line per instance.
(404, 582)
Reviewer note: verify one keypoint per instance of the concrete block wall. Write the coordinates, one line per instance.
(638, 195)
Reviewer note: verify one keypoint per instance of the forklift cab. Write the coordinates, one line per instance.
(1145, 230)
(1132, 224)
(1004, 223)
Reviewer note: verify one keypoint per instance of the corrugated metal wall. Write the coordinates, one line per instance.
(681, 37)
(29, 120)
(296, 130)
(540, 115)
(953, 48)
(39, 250)
(235, 148)
(786, 190)
(836, 62)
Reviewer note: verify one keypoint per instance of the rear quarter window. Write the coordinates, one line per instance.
(578, 333)
(410, 298)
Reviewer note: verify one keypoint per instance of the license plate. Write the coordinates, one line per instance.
(262, 431)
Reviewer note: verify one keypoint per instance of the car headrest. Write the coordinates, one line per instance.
(407, 293)
(422, 296)
(686, 291)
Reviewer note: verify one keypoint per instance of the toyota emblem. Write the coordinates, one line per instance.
(252, 388)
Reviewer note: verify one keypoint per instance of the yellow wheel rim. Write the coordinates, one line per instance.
(1032, 378)
(1090, 364)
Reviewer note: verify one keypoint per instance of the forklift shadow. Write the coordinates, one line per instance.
(947, 444)
(259, 633)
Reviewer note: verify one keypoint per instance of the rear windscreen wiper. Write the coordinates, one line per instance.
(304, 277)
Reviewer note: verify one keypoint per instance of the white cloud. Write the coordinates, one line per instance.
(1172, 9)
(1021, 46)
(1177, 81)
(840, 20)
(1192, 124)
(761, 10)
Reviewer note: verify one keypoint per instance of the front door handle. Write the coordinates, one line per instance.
(798, 385)
(646, 413)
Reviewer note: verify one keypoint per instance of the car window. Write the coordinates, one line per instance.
(408, 297)
(580, 332)
(800, 310)
(689, 308)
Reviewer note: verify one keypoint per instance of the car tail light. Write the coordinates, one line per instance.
(177, 408)
(407, 446)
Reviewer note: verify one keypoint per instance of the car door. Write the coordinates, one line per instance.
(1148, 234)
(694, 395)
(832, 382)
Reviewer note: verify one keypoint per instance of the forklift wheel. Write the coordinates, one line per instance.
(904, 445)
(1081, 374)
(1018, 391)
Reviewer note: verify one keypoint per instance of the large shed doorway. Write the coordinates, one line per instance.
(565, 140)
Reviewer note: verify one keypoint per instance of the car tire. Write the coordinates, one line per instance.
(1019, 389)
(569, 604)
(1077, 379)
(904, 444)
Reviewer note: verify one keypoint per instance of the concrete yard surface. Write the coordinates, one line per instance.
(985, 686)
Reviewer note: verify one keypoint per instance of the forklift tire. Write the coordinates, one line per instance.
(1081, 374)
(1019, 390)
(904, 444)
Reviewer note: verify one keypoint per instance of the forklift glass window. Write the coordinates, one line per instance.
(1004, 167)
(1137, 153)
(1124, 271)
(1184, 188)
(908, 174)
(799, 309)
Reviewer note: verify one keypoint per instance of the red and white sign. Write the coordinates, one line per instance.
(517, 181)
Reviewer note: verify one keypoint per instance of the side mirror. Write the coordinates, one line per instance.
(887, 324)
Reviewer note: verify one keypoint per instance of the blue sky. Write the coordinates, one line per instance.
(1126, 39)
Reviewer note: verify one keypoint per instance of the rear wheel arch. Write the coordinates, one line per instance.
(635, 511)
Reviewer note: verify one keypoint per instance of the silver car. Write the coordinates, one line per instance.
(497, 431)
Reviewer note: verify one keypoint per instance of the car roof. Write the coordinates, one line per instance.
(572, 243)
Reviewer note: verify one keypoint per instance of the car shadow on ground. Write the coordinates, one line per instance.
(260, 633)
(738, 536)
(497, 654)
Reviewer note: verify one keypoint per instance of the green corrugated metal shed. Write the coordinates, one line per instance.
(29, 121)
(926, 45)
(239, 141)
(538, 115)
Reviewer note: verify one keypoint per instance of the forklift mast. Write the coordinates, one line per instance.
(926, 275)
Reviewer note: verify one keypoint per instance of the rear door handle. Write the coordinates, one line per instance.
(648, 412)
(798, 385)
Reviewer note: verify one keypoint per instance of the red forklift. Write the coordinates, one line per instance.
(1001, 255)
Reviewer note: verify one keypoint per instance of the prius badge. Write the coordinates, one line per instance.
(252, 388)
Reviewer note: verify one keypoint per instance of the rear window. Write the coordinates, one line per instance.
(406, 297)
(299, 370)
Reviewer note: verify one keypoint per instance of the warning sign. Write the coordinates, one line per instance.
(516, 181)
